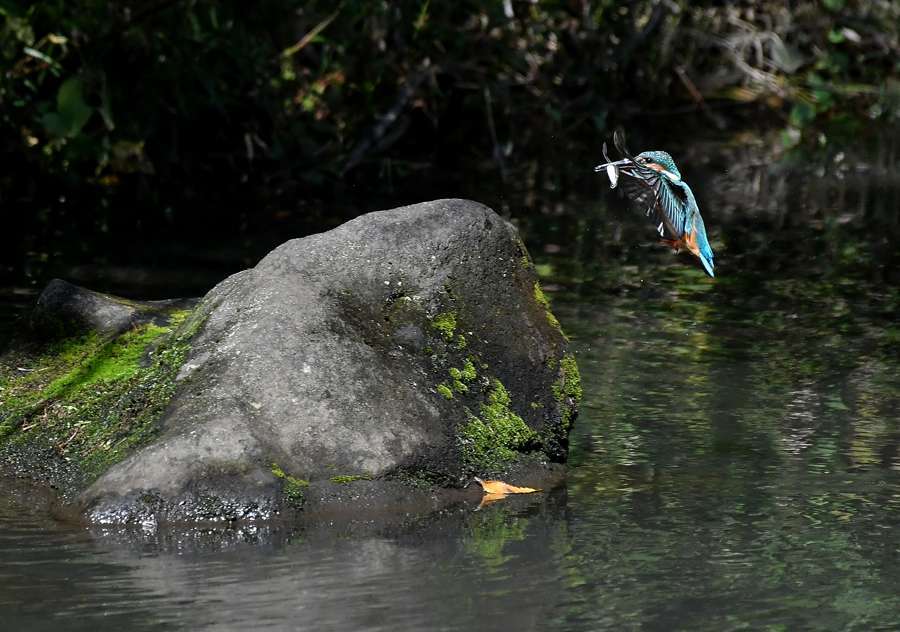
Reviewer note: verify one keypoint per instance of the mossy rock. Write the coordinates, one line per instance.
(79, 392)
(408, 349)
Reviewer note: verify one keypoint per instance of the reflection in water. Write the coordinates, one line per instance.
(736, 464)
(462, 570)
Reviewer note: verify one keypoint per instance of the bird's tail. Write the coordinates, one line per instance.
(707, 263)
(704, 252)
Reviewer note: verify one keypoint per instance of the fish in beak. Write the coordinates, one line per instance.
(612, 168)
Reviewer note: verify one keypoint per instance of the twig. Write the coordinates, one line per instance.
(697, 96)
(69, 440)
(306, 39)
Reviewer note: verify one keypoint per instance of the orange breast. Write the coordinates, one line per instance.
(690, 242)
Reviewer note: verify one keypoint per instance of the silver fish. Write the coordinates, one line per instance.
(612, 170)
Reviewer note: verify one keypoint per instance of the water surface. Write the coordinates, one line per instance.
(736, 464)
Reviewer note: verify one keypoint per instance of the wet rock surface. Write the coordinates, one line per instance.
(378, 365)
(63, 308)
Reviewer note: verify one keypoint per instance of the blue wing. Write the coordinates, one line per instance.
(664, 202)
(654, 194)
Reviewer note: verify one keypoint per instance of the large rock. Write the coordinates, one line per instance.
(402, 352)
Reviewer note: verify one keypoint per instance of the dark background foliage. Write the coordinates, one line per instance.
(142, 117)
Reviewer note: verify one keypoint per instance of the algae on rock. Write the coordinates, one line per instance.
(492, 439)
(292, 488)
(567, 389)
(445, 323)
(544, 302)
(90, 399)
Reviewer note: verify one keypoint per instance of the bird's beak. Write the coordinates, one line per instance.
(609, 163)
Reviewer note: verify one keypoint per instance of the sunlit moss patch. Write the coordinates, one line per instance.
(493, 438)
(92, 399)
(445, 324)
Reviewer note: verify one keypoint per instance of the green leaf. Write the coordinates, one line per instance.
(824, 100)
(833, 5)
(19, 27)
(815, 81)
(54, 124)
(422, 20)
(10, 8)
(72, 112)
(802, 114)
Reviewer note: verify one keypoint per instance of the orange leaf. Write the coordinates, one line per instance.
(487, 499)
(501, 488)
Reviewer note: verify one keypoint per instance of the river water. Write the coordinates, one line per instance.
(736, 463)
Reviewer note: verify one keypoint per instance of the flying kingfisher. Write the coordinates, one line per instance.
(655, 184)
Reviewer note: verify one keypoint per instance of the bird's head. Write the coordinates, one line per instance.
(660, 161)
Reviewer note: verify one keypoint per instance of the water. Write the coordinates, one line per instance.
(736, 464)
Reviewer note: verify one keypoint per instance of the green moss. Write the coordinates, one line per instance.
(445, 324)
(544, 302)
(461, 342)
(25, 379)
(525, 259)
(460, 377)
(293, 489)
(118, 360)
(539, 295)
(468, 372)
(456, 382)
(572, 376)
(493, 438)
(349, 478)
(93, 399)
(567, 388)
(444, 390)
(178, 316)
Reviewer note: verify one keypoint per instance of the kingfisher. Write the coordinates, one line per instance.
(655, 185)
